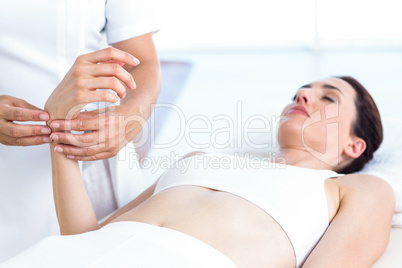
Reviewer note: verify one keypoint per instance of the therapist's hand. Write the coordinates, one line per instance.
(11, 133)
(109, 129)
(98, 70)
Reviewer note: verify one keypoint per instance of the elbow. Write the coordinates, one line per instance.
(74, 230)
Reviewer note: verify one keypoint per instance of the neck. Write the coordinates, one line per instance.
(301, 158)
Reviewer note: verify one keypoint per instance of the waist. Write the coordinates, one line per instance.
(183, 248)
(122, 244)
(237, 228)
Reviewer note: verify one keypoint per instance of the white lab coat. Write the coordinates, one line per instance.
(39, 41)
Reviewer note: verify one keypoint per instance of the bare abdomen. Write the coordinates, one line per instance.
(234, 226)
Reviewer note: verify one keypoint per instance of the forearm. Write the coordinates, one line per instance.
(74, 210)
(147, 76)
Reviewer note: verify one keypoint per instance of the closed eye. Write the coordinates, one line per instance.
(328, 99)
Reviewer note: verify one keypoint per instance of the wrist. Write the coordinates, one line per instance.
(53, 115)
(58, 157)
(137, 107)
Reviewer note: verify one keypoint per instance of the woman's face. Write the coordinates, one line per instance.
(320, 119)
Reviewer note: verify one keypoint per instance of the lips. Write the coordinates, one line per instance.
(299, 110)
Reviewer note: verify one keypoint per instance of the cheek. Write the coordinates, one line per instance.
(339, 130)
(345, 131)
(347, 115)
(331, 111)
(321, 130)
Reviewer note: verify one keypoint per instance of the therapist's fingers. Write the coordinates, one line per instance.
(93, 113)
(87, 153)
(80, 140)
(23, 114)
(12, 108)
(107, 83)
(109, 54)
(111, 70)
(99, 156)
(17, 131)
(81, 123)
(28, 141)
(23, 135)
(24, 104)
(114, 61)
(101, 95)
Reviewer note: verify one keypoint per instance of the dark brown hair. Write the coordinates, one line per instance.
(366, 126)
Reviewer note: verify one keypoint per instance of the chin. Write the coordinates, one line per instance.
(289, 133)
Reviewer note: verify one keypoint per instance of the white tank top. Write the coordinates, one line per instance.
(293, 196)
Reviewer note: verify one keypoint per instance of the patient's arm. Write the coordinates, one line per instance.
(78, 87)
(142, 197)
(73, 207)
(134, 203)
(74, 210)
(359, 233)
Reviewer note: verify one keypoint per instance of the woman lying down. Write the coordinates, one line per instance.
(311, 212)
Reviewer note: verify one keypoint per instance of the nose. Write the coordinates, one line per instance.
(303, 96)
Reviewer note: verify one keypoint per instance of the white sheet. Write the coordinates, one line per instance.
(122, 244)
(392, 257)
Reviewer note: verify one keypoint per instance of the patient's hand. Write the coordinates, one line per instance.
(98, 70)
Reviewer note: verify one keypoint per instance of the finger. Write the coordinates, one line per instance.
(107, 83)
(98, 95)
(27, 105)
(104, 155)
(80, 151)
(114, 61)
(101, 95)
(79, 124)
(23, 114)
(14, 130)
(21, 103)
(112, 69)
(91, 114)
(111, 54)
(79, 140)
(27, 141)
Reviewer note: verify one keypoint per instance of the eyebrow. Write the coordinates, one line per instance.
(325, 86)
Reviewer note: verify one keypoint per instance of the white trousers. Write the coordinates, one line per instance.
(122, 244)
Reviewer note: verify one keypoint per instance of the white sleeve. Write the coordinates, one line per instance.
(126, 19)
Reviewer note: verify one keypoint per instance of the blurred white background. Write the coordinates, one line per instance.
(267, 24)
(259, 52)
(271, 46)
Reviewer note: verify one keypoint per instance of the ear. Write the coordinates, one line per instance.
(355, 147)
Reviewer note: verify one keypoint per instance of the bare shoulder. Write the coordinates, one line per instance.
(361, 226)
(364, 182)
(366, 188)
